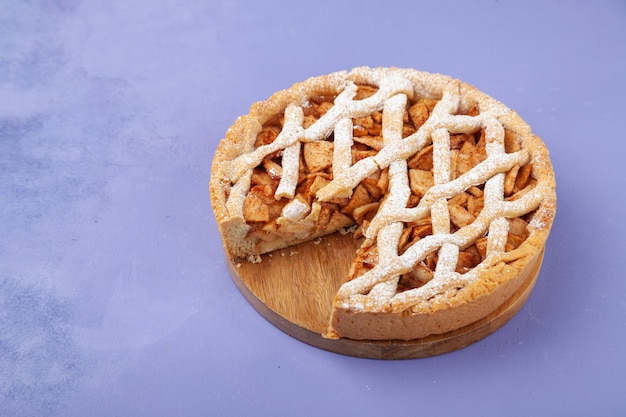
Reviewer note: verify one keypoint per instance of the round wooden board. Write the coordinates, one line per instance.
(294, 290)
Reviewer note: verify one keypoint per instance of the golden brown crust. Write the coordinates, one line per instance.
(364, 308)
(451, 310)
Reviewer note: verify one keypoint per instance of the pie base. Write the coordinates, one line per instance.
(294, 289)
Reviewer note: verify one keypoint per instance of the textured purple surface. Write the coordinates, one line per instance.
(114, 298)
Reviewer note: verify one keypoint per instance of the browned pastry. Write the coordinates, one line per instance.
(449, 190)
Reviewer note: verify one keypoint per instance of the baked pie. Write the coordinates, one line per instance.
(449, 192)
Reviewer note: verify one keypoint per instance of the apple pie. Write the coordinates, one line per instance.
(449, 191)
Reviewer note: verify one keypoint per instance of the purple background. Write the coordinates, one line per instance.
(114, 298)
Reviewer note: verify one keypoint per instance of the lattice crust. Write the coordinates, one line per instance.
(387, 149)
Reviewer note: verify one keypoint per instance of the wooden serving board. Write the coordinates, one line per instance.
(294, 289)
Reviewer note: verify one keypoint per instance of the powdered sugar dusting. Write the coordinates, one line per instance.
(376, 287)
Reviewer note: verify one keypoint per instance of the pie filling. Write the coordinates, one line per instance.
(265, 214)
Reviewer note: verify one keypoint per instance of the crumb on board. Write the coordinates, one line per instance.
(254, 259)
(347, 230)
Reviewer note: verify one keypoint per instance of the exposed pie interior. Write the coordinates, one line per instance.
(448, 191)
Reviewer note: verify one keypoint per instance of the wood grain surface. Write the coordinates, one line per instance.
(294, 289)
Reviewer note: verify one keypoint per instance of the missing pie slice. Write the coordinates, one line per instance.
(449, 191)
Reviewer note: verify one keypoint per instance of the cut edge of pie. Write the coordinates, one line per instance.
(369, 305)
